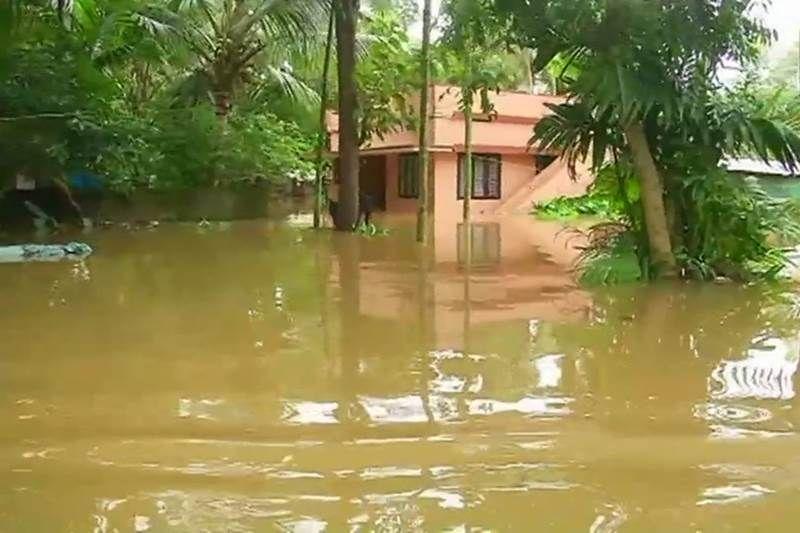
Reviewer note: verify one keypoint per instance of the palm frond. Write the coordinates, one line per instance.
(283, 80)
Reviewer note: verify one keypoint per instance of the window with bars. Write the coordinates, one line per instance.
(408, 182)
(486, 176)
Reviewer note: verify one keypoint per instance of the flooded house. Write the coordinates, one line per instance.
(510, 174)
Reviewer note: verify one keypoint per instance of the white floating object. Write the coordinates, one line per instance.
(24, 253)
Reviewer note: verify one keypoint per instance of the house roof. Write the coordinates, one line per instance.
(757, 166)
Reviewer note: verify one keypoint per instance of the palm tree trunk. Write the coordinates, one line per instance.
(424, 140)
(346, 22)
(323, 134)
(222, 102)
(528, 59)
(467, 324)
(652, 191)
(468, 169)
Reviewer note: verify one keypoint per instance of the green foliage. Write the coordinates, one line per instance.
(610, 197)
(92, 88)
(245, 46)
(608, 254)
(387, 76)
(48, 82)
(472, 54)
(726, 226)
(371, 230)
(191, 147)
(611, 262)
(566, 208)
(629, 65)
(733, 228)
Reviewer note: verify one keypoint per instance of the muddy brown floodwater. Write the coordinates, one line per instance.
(256, 376)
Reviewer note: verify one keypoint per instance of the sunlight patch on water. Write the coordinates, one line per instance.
(728, 494)
(719, 412)
(384, 472)
(198, 408)
(723, 432)
(549, 370)
(609, 520)
(447, 499)
(444, 409)
(304, 412)
(539, 406)
(766, 373)
(304, 525)
(406, 409)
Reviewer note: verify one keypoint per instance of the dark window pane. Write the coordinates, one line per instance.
(493, 178)
(462, 175)
(487, 176)
(408, 182)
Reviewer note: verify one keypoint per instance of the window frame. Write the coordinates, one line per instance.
(400, 192)
(460, 178)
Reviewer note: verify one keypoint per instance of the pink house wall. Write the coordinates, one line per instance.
(506, 132)
(520, 188)
(450, 132)
(516, 113)
(516, 171)
(517, 103)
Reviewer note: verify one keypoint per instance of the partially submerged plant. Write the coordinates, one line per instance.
(607, 254)
(371, 230)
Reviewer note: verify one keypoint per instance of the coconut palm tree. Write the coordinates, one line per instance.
(322, 132)
(347, 14)
(238, 44)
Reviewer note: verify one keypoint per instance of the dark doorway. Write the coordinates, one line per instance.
(372, 179)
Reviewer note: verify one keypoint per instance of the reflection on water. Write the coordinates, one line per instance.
(256, 376)
(767, 372)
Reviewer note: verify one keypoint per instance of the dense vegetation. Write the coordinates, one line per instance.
(193, 93)
(147, 95)
(644, 94)
(183, 93)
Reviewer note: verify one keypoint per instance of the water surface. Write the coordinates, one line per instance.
(256, 376)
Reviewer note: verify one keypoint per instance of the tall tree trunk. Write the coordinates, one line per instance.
(652, 191)
(468, 172)
(424, 139)
(468, 169)
(223, 102)
(467, 324)
(346, 22)
(531, 77)
(323, 134)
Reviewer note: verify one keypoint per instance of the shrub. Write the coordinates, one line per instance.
(605, 199)
(731, 227)
(191, 147)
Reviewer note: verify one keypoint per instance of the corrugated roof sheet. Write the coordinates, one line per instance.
(756, 166)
